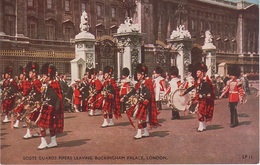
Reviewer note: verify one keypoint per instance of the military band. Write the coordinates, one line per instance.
(41, 102)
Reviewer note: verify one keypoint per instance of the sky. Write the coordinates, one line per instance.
(251, 1)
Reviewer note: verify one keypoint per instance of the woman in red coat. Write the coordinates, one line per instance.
(77, 97)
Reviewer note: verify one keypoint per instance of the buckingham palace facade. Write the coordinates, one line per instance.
(44, 30)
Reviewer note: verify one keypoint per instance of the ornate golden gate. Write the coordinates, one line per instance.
(17, 58)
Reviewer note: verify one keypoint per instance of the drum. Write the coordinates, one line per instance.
(179, 102)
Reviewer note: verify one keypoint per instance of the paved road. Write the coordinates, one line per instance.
(175, 142)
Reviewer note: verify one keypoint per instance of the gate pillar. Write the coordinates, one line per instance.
(84, 50)
(129, 42)
(180, 41)
(210, 51)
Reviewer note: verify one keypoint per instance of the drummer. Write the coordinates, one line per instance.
(174, 84)
(205, 94)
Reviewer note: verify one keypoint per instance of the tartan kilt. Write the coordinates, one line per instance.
(7, 105)
(108, 106)
(19, 109)
(97, 103)
(141, 113)
(206, 108)
(51, 118)
(34, 115)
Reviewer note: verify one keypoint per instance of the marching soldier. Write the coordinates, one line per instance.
(174, 84)
(205, 94)
(9, 91)
(144, 109)
(94, 100)
(52, 111)
(33, 96)
(160, 86)
(125, 87)
(235, 94)
(24, 87)
(111, 100)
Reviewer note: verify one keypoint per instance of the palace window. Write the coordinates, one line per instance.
(31, 29)
(192, 25)
(67, 5)
(49, 4)
(50, 32)
(99, 10)
(67, 33)
(113, 12)
(30, 3)
(83, 6)
(100, 30)
(113, 29)
(9, 27)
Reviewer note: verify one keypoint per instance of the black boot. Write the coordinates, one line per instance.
(233, 118)
(157, 105)
(160, 105)
(175, 115)
(236, 118)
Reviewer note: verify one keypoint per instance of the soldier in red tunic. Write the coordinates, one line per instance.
(235, 93)
(111, 99)
(144, 109)
(159, 87)
(52, 111)
(125, 87)
(94, 100)
(205, 94)
(9, 91)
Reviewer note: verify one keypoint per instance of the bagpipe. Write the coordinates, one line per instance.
(138, 97)
(92, 92)
(135, 99)
(8, 93)
(105, 92)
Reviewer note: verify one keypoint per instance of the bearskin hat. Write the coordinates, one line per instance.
(200, 66)
(142, 69)
(234, 70)
(92, 71)
(197, 66)
(174, 70)
(9, 70)
(125, 71)
(190, 69)
(49, 69)
(22, 70)
(32, 66)
(108, 69)
(159, 70)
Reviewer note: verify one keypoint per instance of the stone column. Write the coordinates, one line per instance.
(183, 47)
(130, 54)
(85, 55)
(210, 50)
(84, 50)
(211, 61)
(1, 18)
